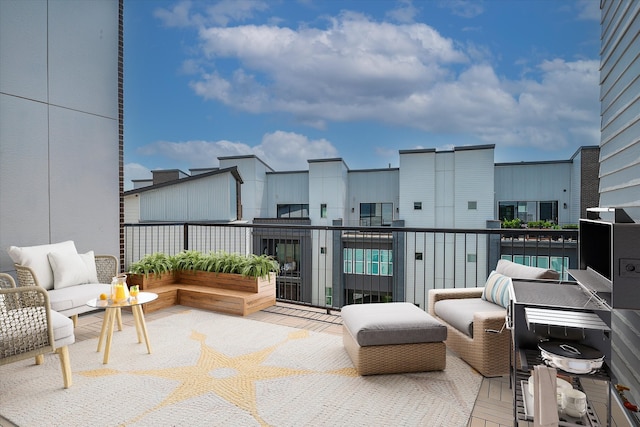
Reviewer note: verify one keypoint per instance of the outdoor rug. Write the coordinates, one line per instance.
(210, 369)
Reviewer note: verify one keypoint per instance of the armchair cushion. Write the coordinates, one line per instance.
(496, 289)
(70, 269)
(459, 313)
(35, 257)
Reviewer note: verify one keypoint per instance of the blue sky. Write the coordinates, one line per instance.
(294, 80)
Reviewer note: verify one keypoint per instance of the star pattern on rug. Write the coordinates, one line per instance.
(233, 378)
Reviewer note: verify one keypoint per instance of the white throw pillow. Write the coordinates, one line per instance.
(90, 262)
(35, 257)
(68, 270)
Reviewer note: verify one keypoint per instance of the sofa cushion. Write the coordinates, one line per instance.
(458, 312)
(519, 271)
(391, 323)
(497, 289)
(70, 269)
(35, 257)
(90, 261)
(74, 297)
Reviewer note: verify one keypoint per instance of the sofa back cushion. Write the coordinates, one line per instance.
(71, 269)
(496, 289)
(519, 271)
(35, 257)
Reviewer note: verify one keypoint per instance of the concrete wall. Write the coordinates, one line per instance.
(60, 142)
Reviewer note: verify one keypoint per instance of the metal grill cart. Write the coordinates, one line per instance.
(580, 312)
(567, 313)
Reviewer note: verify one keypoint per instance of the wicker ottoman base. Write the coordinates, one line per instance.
(395, 358)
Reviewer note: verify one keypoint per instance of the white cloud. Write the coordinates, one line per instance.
(588, 10)
(464, 8)
(281, 150)
(135, 171)
(197, 154)
(406, 75)
(405, 12)
(183, 14)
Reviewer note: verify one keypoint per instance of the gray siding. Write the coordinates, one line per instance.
(286, 188)
(620, 157)
(620, 107)
(210, 198)
(538, 182)
(59, 125)
(371, 186)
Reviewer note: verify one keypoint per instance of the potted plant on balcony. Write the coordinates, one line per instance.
(155, 269)
(216, 268)
(234, 271)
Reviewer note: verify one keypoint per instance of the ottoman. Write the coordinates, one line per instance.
(390, 338)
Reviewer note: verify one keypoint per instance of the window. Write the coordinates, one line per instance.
(472, 205)
(529, 211)
(417, 206)
(293, 211)
(373, 262)
(376, 214)
(323, 210)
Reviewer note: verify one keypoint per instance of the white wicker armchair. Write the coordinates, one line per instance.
(29, 328)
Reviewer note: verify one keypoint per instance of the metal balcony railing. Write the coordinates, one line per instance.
(331, 266)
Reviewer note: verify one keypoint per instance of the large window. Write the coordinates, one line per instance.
(293, 211)
(529, 211)
(376, 214)
(372, 262)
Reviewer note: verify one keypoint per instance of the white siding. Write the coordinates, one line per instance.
(327, 185)
(534, 182)
(417, 183)
(620, 107)
(473, 181)
(59, 154)
(254, 177)
(371, 186)
(132, 209)
(286, 188)
(204, 199)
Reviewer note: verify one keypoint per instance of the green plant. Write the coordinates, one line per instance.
(259, 266)
(187, 260)
(156, 263)
(511, 223)
(214, 262)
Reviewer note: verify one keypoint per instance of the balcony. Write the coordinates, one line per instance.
(324, 268)
(339, 265)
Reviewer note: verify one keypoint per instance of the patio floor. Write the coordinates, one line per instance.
(492, 408)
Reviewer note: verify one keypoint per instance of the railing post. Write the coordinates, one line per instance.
(185, 236)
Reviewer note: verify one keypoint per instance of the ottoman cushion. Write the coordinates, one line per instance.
(391, 323)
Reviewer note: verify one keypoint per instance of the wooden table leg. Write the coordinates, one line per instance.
(119, 314)
(136, 319)
(143, 325)
(111, 313)
(103, 330)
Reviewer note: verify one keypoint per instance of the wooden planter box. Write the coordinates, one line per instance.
(151, 281)
(228, 293)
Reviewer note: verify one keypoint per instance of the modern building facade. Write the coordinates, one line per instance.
(458, 188)
(61, 117)
(450, 190)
